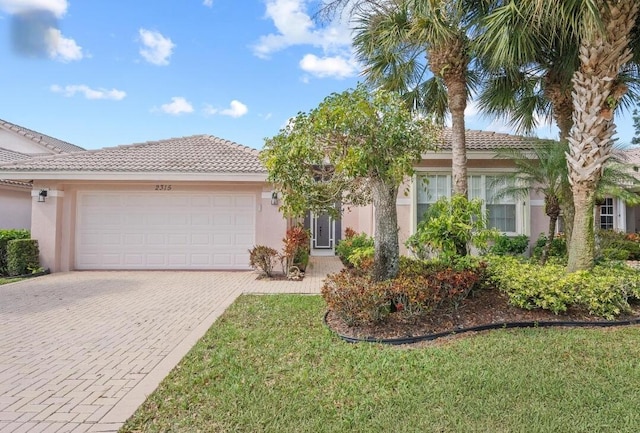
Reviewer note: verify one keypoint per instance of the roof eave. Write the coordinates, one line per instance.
(134, 176)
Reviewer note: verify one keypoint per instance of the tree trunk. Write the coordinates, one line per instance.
(386, 259)
(568, 213)
(457, 103)
(551, 233)
(596, 93)
(449, 60)
(582, 250)
(552, 209)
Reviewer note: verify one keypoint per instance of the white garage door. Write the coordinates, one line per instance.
(169, 230)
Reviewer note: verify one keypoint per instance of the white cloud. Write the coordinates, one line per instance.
(89, 93)
(177, 106)
(208, 3)
(337, 66)
(295, 27)
(156, 48)
(236, 109)
(61, 48)
(57, 7)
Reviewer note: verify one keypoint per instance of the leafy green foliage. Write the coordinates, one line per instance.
(22, 256)
(449, 227)
(330, 154)
(420, 288)
(604, 291)
(558, 247)
(5, 237)
(505, 245)
(262, 258)
(615, 245)
(346, 247)
(355, 148)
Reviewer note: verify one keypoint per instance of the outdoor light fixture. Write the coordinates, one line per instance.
(42, 195)
(274, 198)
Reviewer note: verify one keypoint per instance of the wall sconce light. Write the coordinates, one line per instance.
(274, 198)
(42, 195)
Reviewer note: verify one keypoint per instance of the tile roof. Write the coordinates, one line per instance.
(194, 154)
(488, 140)
(25, 185)
(632, 155)
(51, 143)
(7, 155)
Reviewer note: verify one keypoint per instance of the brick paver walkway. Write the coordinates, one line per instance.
(80, 351)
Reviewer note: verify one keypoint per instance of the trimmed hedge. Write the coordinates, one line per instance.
(5, 237)
(22, 256)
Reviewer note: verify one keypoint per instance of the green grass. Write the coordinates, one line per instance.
(7, 280)
(270, 365)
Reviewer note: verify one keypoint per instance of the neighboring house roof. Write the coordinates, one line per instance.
(7, 155)
(194, 154)
(53, 144)
(632, 156)
(488, 140)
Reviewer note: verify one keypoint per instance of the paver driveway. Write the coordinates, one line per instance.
(80, 351)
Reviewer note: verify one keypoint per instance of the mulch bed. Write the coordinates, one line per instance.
(488, 306)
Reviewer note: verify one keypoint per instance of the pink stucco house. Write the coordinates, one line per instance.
(16, 144)
(201, 202)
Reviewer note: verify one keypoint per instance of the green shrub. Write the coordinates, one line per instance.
(5, 237)
(262, 258)
(558, 247)
(513, 246)
(615, 245)
(604, 291)
(22, 256)
(450, 227)
(346, 247)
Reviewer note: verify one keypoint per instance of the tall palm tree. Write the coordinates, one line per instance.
(606, 33)
(422, 49)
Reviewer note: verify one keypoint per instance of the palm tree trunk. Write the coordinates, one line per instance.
(457, 104)
(582, 250)
(596, 94)
(386, 259)
(551, 233)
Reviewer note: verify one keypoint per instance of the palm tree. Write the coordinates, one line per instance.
(543, 169)
(422, 50)
(606, 33)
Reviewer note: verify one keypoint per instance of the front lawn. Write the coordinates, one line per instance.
(269, 365)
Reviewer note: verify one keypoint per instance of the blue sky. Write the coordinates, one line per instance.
(101, 73)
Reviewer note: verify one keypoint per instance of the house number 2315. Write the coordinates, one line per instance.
(163, 188)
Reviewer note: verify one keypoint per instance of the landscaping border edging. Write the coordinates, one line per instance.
(500, 325)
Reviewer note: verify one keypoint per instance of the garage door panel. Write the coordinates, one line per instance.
(176, 230)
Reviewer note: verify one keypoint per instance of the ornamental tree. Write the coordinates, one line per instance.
(354, 149)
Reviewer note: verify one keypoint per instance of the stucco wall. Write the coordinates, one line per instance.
(15, 208)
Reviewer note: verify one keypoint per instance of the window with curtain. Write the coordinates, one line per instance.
(430, 189)
(501, 209)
